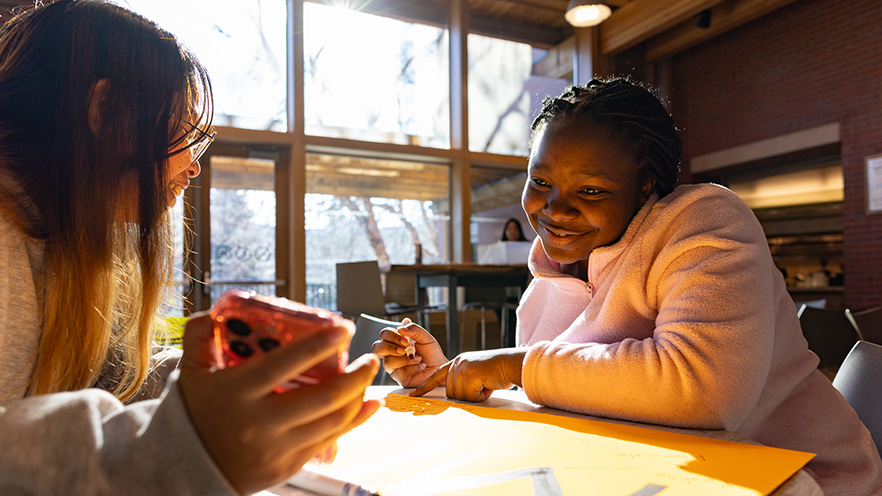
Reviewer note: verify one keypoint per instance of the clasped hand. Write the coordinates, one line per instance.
(471, 376)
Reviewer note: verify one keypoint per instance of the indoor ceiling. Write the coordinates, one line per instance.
(665, 26)
(659, 28)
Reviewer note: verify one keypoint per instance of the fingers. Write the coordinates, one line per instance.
(393, 363)
(331, 425)
(285, 453)
(439, 378)
(402, 375)
(394, 342)
(453, 386)
(393, 348)
(391, 343)
(309, 403)
(326, 454)
(369, 407)
(416, 332)
(262, 374)
(407, 329)
(460, 379)
(198, 342)
(464, 384)
(326, 450)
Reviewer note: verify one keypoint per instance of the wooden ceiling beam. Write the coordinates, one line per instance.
(640, 20)
(558, 62)
(503, 192)
(724, 17)
(556, 6)
(367, 188)
(435, 13)
(426, 12)
(538, 35)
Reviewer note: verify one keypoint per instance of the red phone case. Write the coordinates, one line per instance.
(248, 325)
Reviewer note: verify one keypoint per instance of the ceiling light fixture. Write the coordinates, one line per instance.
(586, 13)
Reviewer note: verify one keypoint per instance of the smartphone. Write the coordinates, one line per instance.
(247, 325)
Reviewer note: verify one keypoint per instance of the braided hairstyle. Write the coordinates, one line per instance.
(627, 112)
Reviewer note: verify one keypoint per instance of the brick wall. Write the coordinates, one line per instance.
(811, 63)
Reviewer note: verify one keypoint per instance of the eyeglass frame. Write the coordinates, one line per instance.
(199, 145)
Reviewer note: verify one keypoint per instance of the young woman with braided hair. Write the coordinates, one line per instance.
(650, 302)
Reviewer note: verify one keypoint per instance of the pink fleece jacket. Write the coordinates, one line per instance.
(685, 321)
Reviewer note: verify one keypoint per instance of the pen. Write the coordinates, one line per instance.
(326, 485)
(410, 350)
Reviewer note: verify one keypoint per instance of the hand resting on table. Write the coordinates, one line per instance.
(471, 376)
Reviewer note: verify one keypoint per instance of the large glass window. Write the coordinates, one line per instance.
(180, 290)
(495, 198)
(361, 209)
(243, 225)
(374, 78)
(366, 77)
(242, 43)
(504, 94)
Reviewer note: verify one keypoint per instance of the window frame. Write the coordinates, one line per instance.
(294, 145)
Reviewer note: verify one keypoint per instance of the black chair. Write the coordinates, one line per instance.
(367, 330)
(830, 334)
(360, 290)
(858, 381)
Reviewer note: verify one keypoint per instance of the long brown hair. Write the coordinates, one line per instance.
(64, 182)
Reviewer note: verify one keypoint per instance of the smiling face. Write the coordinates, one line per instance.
(182, 165)
(181, 168)
(582, 190)
(183, 162)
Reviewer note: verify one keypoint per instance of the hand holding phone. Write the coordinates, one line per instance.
(247, 325)
(258, 436)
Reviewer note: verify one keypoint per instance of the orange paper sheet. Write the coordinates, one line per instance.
(428, 447)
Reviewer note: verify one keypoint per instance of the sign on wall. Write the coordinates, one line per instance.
(874, 184)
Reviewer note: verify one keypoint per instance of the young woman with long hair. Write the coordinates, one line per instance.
(103, 117)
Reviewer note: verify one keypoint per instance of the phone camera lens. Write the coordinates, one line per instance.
(238, 327)
(241, 349)
(267, 344)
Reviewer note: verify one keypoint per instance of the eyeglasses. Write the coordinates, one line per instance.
(197, 140)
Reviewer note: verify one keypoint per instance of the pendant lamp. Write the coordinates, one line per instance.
(586, 13)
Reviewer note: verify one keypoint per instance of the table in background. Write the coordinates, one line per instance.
(454, 275)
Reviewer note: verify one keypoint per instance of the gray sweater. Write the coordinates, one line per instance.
(87, 442)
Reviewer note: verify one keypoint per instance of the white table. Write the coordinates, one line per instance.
(800, 484)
